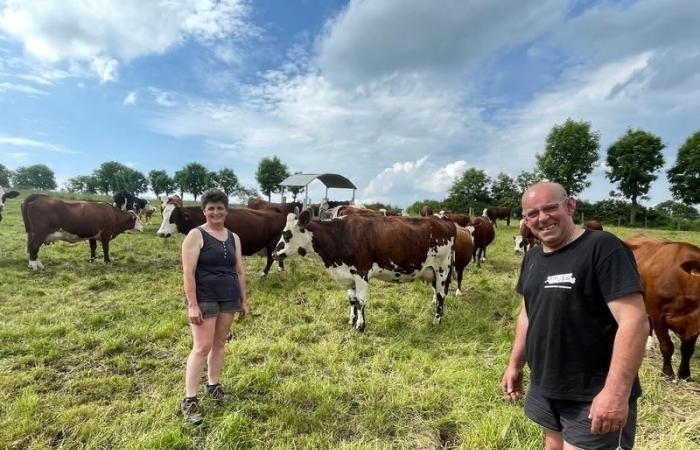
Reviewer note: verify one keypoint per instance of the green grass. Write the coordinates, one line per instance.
(92, 357)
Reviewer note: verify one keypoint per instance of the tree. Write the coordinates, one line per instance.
(38, 176)
(132, 181)
(245, 193)
(570, 155)
(160, 182)
(107, 176)
(504, 191)
(526, 179)
(226, 180)
(675, 209)
(471, 189)
(193, 178)
(271, 172)
(5, 175)
(633, 160)
(86, 184)
(684, 177)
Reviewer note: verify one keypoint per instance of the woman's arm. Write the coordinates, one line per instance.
(190, 254)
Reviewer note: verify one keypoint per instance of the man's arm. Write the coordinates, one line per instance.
(610, 407)
(512, 382)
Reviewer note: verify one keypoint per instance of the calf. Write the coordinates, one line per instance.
(670, 274)
(483, 234)
(357, 248)
(48, 220)
(4, 196)
(259, 230)
(525, 239)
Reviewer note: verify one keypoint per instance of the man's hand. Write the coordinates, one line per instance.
(608, 412)
(512, 383)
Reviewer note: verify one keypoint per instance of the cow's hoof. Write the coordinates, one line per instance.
(280, 269)
(36, 265)
(458, 292)
(263, 273)
(360, 328)
(437, 320)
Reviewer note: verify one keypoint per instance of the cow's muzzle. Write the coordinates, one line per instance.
(163, 235)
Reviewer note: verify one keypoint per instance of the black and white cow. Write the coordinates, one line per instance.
(357, 248)
(126, 201)
(4, 196)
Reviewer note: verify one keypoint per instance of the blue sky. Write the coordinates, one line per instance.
(400, 96)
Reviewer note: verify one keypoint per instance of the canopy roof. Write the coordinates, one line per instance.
(331, 180)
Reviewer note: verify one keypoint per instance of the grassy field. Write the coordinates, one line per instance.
(92, 357)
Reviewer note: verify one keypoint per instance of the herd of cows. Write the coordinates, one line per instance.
(356, 244)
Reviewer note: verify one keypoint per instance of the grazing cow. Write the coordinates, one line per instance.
(259, 230)
(146, 213)
(126, 201)
(464, 249)
(460, 219)
(48, 219)
(426, 211)
(357, 248)
(497, 213)
(593, 225)
(525, 239)
(283, 208)
(670, 274)
(482, 234)
(4, 196)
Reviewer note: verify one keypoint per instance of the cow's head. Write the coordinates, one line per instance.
(168, 226)
(518, 243)
(138, 225)
(4, 196)
(296, 239)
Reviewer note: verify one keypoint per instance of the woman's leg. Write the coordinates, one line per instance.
(215, 360)
(202, 339)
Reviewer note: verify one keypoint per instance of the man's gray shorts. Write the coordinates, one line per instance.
(571, 419)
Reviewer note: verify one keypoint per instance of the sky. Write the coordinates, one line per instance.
(399, 96)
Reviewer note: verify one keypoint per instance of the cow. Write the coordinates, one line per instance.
(4, 196)
(48, 219)
(525, 239)
(356, 248)
(283, 208)
(497, 213)
(347, 210)
(126, 201)
(593, 225)
(259, 230)
(146, 213)
(426, 211)
(460, 219)
(670, 274)
(483, 234)
(464, 249)
(169, 199)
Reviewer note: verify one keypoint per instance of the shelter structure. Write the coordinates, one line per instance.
(330, 180)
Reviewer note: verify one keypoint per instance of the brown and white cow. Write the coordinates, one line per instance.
(4, 196)
(670, 273)
(483, 234)
(460, 219)
(494, 214)
(525, 239)
(426, 211)
(48, 219)
(283, 208)
(593, 225)
(464, 250)
(258, 230)
(356, 248)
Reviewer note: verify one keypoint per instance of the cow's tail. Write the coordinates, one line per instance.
(25, 219)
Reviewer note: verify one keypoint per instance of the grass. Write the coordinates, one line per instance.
(92, 357)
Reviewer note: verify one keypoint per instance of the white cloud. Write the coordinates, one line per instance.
(24, 142)
(105, 32)
(5, 87)
(130, 98)
(16, 156)
(163, 98)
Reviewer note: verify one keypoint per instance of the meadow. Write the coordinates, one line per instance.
(92, 357)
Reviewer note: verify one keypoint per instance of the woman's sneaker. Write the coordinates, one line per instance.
(191, 411)
(216, 392)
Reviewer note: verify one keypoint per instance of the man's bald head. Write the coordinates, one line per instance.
(555, 190)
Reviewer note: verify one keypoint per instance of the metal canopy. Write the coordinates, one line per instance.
(330, 180)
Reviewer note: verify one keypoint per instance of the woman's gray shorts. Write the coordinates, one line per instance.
(571, 419)
(211, 309)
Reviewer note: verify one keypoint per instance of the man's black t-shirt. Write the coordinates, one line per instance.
(571, 330)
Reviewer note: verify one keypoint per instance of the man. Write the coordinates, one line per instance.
(582, 329)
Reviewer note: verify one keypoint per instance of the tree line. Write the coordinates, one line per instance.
(569, 158)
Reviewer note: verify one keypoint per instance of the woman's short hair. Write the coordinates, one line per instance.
(214, 196)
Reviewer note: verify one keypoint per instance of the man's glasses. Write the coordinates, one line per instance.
(550, 209)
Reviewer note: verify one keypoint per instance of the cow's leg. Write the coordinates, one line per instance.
(269, 250)
(352, 299)
(93, 250)
(34, 242)
(687, 349)
(460, 274)
(441, 286)
(280, 263)
(361, 291)
(665, 345)
(105, 249)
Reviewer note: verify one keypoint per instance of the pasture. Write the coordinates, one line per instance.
(92, 357)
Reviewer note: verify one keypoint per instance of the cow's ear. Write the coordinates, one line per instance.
(11, 194)
(692, 267)
(305, 217)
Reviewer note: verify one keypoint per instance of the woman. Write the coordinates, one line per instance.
(214, 282)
